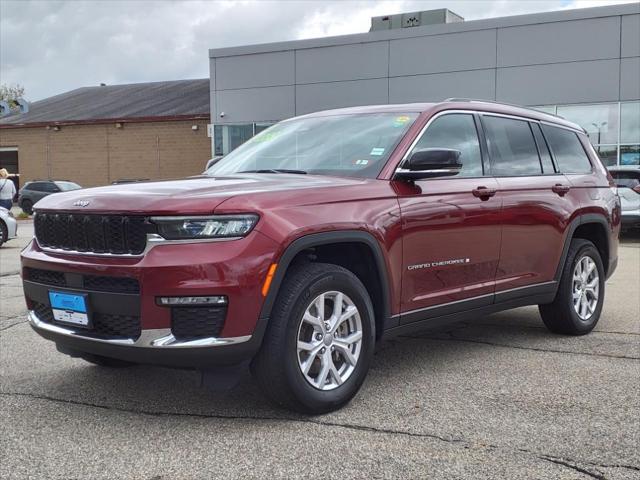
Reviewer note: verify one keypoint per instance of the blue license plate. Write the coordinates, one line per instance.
(69, 308)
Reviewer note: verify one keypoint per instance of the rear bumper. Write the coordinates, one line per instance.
(630, 218)
(154, 346)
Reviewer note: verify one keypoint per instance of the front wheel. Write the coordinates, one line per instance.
(578, 303)
(27, 207)
(4, 233)
(319, 342)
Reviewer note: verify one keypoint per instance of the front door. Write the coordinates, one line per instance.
(451, 232)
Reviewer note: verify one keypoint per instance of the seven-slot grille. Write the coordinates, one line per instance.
(114, 234)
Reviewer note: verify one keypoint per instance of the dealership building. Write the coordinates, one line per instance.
(109, 133)
(583, 65)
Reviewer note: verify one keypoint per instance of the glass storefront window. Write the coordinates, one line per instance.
(600, 121)
(629, 154)
(229, 137)
(608, 154)
(630, 122)
(546, 108)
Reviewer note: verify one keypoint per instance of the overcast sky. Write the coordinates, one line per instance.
(51, 46)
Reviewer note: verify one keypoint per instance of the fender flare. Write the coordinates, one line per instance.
(583, 219)
(325, 238)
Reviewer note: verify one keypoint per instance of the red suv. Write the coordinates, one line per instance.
(323, 234)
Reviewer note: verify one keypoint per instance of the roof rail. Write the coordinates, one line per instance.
(454, 99)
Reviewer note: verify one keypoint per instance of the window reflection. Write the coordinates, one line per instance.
(600, 121)
(630, 122)
(630, 155)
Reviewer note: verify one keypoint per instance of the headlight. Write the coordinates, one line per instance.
(217, 226)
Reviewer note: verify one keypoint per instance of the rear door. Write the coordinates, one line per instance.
(451, 236)
(536, 207)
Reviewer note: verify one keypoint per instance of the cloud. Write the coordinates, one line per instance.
(54, 46)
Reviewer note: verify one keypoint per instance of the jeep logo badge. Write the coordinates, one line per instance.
(81, 203)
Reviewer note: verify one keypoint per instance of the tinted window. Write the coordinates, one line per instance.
(543, 150)
(511, 147)
(567, 150)
(457, 131)
(37, 186)
(65, 186)
(49, 187)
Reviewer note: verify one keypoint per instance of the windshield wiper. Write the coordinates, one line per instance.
(275, 170)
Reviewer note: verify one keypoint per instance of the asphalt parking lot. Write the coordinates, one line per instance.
(499, 397)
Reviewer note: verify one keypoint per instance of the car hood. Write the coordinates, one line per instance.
(195, 195)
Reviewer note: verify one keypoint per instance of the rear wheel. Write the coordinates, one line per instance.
(319, 343)
(578, 303)
(27, 207)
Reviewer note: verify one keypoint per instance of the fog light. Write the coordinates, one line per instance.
(177, 301)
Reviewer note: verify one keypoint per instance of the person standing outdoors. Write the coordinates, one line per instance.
(7, 190)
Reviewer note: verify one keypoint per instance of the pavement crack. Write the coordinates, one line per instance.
(559, 461)
(12, 325)
(569, 463)
(504, 345)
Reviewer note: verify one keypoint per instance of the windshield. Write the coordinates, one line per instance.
(65, 186)
(355, 145)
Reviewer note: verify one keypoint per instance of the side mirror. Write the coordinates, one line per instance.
(211, 162)
(430, 163)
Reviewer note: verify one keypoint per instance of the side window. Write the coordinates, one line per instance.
(567, 150)
(543, 150)
(37, 187)
(511, 145)
(457, 131)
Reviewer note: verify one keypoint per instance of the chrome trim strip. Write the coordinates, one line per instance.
(150, 338)
(153, 240)
(552, 282)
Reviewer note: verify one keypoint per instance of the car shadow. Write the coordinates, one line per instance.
(163, 391)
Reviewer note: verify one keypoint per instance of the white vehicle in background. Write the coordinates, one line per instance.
(8, 226)
(628, 182)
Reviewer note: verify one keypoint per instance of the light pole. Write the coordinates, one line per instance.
(599, 127)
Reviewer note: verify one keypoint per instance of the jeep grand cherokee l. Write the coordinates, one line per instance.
(325, 233)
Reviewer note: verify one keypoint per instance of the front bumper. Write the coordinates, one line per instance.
(233, 269)
(154, 346)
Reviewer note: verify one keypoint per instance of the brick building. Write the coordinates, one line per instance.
(98, 135)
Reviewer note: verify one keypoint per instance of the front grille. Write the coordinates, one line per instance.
(189, 323)
(103, 325)
(89, 282)
(114, 234)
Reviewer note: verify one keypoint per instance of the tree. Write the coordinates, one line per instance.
(11, 93)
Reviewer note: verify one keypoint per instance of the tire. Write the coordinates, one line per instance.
(27, 207)
(106, 361)
(4, 233)
(278, 366)
(561, 316)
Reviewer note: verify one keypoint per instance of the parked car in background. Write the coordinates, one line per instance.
(322, 235)
(38, 189)
(8, 226)
(628, 182)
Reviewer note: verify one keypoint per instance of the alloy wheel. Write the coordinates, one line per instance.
(329, 340)
(586, 287)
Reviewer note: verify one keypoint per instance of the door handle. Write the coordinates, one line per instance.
(483, 193)
(561, 189)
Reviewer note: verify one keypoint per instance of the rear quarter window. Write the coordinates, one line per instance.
(567, 150)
